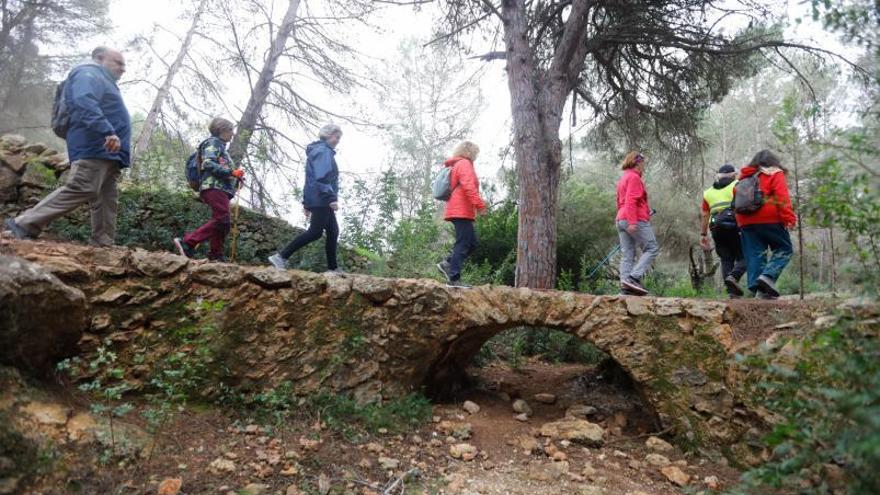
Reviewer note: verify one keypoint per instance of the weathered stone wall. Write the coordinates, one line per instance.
(377, 338)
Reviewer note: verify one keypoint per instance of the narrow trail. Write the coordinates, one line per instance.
(554, 467)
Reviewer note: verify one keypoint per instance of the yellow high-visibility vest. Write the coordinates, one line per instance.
(719, 199)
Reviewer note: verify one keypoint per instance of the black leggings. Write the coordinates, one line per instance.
(323, 219)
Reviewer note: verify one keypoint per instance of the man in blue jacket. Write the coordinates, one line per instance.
(320, 199)
(98, 145)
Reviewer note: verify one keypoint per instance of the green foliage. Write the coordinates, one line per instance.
(856, 20)
(369, 217)
(187, 371)
(152, 217)
(161, 165)
(847, 196)
(668, 282)
(553, 346)
(106, 385)
(828, 402)
(415, 245)
(344, 414)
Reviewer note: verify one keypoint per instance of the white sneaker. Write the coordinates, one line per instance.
(278, 262)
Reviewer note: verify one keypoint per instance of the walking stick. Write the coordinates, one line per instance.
(236, 209)
(602, 263)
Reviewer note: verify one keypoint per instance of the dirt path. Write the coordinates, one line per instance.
(213, 453)
(619, 467)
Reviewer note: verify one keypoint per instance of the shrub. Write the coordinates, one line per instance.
(828, 402)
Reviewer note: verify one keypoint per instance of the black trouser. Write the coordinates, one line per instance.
(728, 245)
(465, 243)
(323, 219)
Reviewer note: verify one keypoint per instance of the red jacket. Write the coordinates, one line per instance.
(777, 202)
(465, 199)
(632, 198)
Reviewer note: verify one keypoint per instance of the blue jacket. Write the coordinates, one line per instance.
(96, 111)
(322, 176)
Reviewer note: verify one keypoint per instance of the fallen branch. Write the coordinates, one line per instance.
(412, 472)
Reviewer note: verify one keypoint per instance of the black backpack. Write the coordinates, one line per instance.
(724, 220)
(748, 198)
(60, 113)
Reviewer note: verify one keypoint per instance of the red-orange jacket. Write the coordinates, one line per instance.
(465, 200)
(777, 201)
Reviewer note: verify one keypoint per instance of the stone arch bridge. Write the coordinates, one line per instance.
(370, 337)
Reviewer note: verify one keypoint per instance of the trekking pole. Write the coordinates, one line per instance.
(602, 263)
(612, 253)
(236, 209)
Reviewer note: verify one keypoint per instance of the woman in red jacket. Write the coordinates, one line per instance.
(767, 228)
(634, 226)
(461, 209)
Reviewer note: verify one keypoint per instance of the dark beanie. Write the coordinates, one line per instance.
(726, 169)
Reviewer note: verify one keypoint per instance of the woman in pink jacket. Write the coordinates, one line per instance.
(634, 226)
(461, 209)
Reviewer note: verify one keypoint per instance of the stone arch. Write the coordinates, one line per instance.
(378, 338)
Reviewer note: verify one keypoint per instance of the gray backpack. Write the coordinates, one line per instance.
(442, 188)
(749, 198)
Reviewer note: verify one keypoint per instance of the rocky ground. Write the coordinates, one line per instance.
(538, 429)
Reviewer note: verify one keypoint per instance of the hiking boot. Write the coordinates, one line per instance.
(733, 287)
(458, 284)
(218, 259)
(184, 248)
(626, 292)
(765, 296)
(336, 271)
(634, 286)
(443, 266)
(17, 231)
(768, 286)
(278, 262)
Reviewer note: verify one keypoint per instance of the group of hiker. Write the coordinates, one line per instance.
(746, 217)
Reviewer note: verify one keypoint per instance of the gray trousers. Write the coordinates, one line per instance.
(89, 181)
(645, 240)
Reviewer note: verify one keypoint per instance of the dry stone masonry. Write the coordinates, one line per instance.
(369, 337)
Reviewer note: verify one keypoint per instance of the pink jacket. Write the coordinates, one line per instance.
(465, 200)
(632, 198)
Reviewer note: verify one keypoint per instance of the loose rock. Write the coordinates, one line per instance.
(676, 475)
(712, 482)
(471, 407)
(576, 430)
(658, 444)
(463, 451)
(657, 460)
(580, 411)
(545, 398)
(459, 430)
(221, 465)
(255, 489)
(522, 407)
(170, 486)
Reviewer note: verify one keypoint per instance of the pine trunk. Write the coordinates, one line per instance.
(143, 141)
(537, 98)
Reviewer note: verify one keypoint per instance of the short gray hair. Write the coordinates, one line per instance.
(329, 130)
(99, 52)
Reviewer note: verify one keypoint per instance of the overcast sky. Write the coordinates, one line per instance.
(363, 151)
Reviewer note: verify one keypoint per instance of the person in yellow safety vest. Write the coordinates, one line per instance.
(719, 218)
